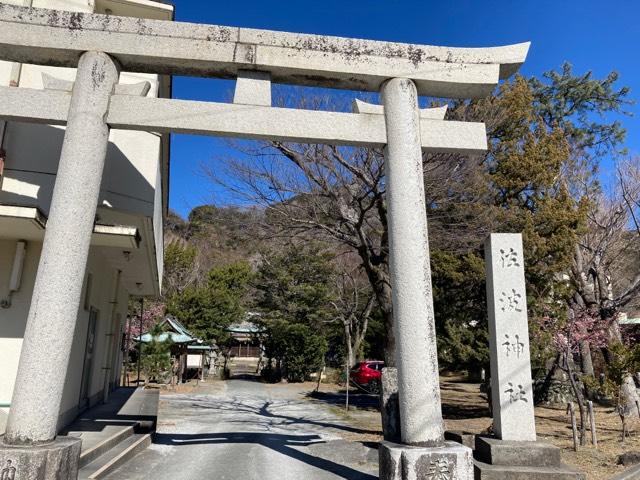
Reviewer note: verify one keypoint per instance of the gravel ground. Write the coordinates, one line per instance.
(465, 409)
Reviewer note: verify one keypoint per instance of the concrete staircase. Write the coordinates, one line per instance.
(244, 367)
(113, 452)
(114, 432)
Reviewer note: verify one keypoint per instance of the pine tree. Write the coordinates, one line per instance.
(156, 357)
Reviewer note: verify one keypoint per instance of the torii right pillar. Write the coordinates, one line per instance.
(423, 454)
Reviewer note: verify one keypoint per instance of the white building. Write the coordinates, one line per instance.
(126, 252)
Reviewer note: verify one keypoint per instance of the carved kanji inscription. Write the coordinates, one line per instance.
(513, 345)
(511, 301)
(8, 472)
(440, 469)
(509, 258)
(516, 393)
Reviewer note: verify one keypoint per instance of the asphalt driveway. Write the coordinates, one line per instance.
(243, 430)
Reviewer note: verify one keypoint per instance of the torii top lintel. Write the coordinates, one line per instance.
(41, 36)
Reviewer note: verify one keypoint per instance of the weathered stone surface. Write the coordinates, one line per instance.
(556, 391)
(516, 453)
(139, 89)
(409, 269)
(390, 461)
(244, 121)
(434, 113)
(629, 458)
(51, 322)
(253, 88)
(404, 462)
(464, 438)
(629, 392)
(57, 460)
(511, 386)
(389, 406)
(484, 471)
(45, 36)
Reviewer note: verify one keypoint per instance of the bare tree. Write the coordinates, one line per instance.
(605, 270)
(353, 303)
(329, 193)
(182, 265)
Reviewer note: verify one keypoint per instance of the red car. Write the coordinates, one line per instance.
(366, 375)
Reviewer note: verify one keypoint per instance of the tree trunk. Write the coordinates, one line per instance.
(319, 377)
(628, 388)
(630, 396)
(586, 361)
(542, 392)
(347, 337)
(357, 347)
(579, 399)
(384, 300)
(390, 340)
(379, 280)
(585, 356)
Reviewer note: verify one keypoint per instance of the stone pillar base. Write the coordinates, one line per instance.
(465, 438)
(57, 460)
(505, 459)
(452, 461)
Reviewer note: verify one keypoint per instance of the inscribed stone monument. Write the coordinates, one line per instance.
(511, 386)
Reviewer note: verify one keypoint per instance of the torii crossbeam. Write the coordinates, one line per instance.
(59, 38)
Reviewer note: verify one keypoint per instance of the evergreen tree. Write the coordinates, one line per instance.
(532, 180)
(209, 309)
(156, 357)
(293, 294)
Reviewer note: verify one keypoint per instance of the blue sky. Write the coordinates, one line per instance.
(592, 35)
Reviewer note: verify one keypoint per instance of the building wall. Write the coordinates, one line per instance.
(102, 293)
(130, 175)
(158, 226)
(13, 322)
(131, 182)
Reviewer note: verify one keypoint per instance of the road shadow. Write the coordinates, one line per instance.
(460, 412)
(250, 377)
(365, 401)
(284, 444)
(357, 399)
(261, 414)
(122, 409)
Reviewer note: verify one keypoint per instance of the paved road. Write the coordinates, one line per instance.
(244, 430)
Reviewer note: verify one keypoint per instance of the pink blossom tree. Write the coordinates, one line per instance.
(583, 325)
(153, 312)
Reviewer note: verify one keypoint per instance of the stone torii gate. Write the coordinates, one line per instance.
(100, 46)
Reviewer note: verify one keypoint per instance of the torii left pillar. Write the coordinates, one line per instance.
(30, 447)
